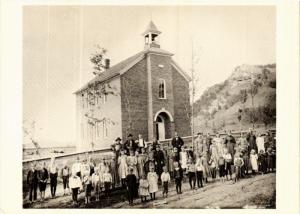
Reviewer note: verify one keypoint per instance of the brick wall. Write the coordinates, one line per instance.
(165, 73)
(182, 104)
(134, 101)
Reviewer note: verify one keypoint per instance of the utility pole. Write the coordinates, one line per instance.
(252, 100)
(193, 95)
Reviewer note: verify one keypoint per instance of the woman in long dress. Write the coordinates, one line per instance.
(141, 160)
(123, 168)
(204, 161)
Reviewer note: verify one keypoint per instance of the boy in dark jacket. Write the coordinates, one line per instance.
(131, 186)
(178, 175)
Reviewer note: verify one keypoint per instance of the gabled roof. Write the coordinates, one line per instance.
(112, 72)
(126, 64)
(151, 28)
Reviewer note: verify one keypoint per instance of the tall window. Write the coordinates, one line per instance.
(105, 131)
(162, 89)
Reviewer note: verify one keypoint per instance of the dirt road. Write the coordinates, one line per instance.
(253, 192)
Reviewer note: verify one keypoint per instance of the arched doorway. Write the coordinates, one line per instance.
(163, 125)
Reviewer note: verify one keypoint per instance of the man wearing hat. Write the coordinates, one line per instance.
(177, 142)
(116, 147)
(130, 144)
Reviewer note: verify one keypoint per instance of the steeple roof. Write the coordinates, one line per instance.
(152, 29)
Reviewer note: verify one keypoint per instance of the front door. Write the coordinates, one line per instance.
(161, 132)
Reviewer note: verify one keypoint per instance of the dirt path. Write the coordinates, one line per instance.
(258, 191)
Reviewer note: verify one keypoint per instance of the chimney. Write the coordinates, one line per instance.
(107, 63)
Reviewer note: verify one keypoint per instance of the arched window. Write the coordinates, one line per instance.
(162, 89)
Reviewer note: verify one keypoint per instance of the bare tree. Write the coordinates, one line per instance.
(97, 90)
(30, 132)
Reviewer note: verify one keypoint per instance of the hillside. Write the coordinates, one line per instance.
(222, 105)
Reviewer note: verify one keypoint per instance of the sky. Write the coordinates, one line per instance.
(58, 41)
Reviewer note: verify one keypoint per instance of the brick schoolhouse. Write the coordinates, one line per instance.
(147, 94)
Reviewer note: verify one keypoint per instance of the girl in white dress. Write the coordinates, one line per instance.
(144, 188)
(253, 161)
(96, 182)
(153, 185)
(123, 168)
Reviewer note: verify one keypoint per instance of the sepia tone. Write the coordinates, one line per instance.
(159, 107)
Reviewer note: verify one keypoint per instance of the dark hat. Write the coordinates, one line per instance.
(130, 135)
(118, 139)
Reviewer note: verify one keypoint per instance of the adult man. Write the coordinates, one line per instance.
(130, 144)
(208, 141)
(230, 143)
(219, 144)
(199, 146)
(177, 142)
(251, 138)
(159, 161)
(267, 140)
(32, 182)
(141, 142)
(116, 147)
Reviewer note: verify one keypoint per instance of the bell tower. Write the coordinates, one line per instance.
(151, 36)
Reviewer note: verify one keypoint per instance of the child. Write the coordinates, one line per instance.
(270, 159)
(144, 188)
(96, 182)
(238, 163)
(199, 171)
(262, 165)
(123, 168)
(221, 166)
(213, 167)
(178, 175)
(87, 182)
(153, 183)
(75, 185)
(107, 179)
(65, 173)
(183, 159)
(165, 179)
(131, 186)
(191, 173)
(253, 161)
(228, 163)
(173, 157)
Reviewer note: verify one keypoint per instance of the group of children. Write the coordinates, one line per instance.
(142, 168)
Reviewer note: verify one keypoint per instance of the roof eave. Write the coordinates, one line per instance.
(181, 71)
(104, 80)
